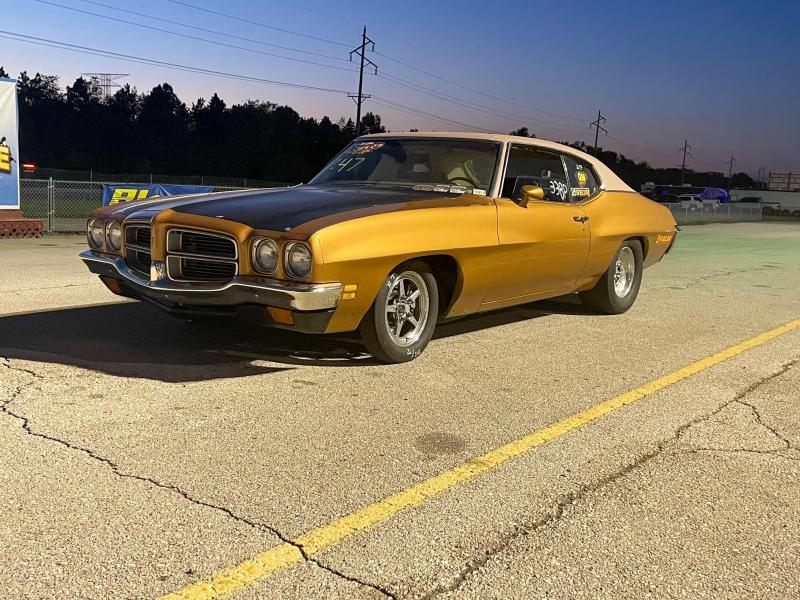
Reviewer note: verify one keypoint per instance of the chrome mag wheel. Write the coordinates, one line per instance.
(407, 308)
(624, 271)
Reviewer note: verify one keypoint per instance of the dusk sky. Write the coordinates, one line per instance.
(723, 75)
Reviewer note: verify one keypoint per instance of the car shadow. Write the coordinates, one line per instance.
(133, 339)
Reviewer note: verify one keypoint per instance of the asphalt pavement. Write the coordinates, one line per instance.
(142, 456)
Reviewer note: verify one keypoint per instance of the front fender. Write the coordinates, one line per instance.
(362, 252)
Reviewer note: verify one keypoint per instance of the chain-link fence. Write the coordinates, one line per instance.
(65, 205)
(686, 214)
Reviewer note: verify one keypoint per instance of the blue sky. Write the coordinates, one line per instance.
(722, 74)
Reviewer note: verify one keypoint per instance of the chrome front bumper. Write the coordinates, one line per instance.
(238, 291)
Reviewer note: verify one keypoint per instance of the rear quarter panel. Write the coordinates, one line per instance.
(362, 252)
(617, 216)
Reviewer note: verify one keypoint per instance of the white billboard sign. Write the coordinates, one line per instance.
(9, 145)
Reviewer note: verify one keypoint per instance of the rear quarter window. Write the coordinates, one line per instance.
(583, 181)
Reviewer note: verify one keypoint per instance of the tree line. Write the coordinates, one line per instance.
(155, 132)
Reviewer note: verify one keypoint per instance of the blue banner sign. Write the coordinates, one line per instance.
(127, 192)
(9, 145)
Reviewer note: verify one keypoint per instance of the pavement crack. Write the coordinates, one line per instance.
(5, 408)
(560, 506)
(697, 280)
(380, 589)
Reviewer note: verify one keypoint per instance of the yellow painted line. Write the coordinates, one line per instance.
(235, 578)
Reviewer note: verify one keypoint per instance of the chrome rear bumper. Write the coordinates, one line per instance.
(267, 292)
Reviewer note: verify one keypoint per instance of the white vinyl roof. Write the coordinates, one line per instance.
(611, 181)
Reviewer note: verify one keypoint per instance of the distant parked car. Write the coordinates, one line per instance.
(776, 206)
(695, 202)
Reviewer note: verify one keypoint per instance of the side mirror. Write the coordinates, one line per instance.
(531, 193)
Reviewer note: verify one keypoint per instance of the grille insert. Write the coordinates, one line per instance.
(194, 256)
(198, 243)
(137, 248)
(206, 270)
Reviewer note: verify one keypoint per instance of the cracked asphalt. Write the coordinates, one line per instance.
(139, 454)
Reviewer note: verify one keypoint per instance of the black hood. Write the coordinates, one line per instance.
(284, 209)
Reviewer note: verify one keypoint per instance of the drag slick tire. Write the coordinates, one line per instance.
(617, 289)
(400, 323)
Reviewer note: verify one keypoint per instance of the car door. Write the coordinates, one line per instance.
(544, 244)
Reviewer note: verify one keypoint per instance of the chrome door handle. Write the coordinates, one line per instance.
(580, 218)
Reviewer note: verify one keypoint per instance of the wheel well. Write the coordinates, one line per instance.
(643, 241)
(446, 271)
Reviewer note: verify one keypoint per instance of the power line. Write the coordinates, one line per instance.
(214, 31)
(598, 128)
(519, 119)
(413, 111)
(409, 66)
(476, 91)
(359, 51)
(29, 39)
(391, 78)
(191, 37)
(257, 23)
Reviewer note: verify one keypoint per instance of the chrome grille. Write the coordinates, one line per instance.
(137, 248)
(200, 243)
(201, 256)
(192, 268)
(203, 244)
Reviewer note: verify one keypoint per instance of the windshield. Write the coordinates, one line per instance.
(457, 166)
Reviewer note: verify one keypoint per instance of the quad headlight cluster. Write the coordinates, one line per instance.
(297, 258)
(101, 233)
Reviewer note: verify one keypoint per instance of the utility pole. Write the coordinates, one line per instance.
(359, 51)
(597, 129)
(686, 150)
(730, 164)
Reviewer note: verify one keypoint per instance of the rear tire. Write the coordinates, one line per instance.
(617, 289)
(400, 323)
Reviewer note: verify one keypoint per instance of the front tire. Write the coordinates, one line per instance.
(400, 323)
(617, 289)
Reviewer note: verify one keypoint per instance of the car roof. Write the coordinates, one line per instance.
(610, 180)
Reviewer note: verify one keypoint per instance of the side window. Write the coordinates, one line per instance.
(582, 179)
(528, 165)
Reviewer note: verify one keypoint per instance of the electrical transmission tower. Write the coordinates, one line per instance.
(598, 128)
(105, 81)
(686, 150)
(359, 51)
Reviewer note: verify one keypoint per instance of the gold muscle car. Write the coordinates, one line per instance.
(396, 233)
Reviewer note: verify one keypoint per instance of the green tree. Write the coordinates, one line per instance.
(371, 123)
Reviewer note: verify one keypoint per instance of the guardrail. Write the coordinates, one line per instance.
(65, 205)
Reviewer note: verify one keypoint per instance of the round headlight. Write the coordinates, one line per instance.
(114, 236)
(265, 256)
(95, 233)
(298, 260)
